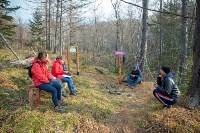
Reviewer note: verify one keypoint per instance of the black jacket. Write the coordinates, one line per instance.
(169, 87)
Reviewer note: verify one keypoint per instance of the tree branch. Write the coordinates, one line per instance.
(156, 10)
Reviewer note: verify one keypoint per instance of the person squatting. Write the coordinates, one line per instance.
(166, 91)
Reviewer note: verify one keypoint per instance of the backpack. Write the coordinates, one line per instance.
(29, 70)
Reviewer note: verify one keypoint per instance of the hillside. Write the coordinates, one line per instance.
(102, 106)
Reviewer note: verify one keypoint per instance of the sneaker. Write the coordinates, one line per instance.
(57, 109)
(64, 95)
(62, 103)
(76, 91)
(165, 107)
(131, 87)
(73, 94)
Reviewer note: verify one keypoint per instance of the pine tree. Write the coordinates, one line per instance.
(6, 21)
(37, 29)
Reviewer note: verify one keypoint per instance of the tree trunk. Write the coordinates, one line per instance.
(56, 26)
(70, 23)
(116, 8)
(194, 90)
(46, 25)
(161, 34)
(183, 52)
(144, 34)
(49, 25)
(60, 37)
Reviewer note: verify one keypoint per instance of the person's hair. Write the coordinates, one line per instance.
(41, 54)
(60, 57)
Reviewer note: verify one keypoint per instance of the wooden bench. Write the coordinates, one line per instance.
(33, 90)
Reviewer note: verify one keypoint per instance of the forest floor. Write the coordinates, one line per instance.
(102, 106)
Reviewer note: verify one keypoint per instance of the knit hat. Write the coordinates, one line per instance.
(135, 67)
(165, 69)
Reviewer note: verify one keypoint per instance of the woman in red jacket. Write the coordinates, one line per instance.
(58, 71)
(42, 79)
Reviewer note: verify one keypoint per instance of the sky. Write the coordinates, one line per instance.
(25, 12)
(27, 8)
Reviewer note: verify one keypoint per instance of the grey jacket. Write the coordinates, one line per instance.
(169, 87)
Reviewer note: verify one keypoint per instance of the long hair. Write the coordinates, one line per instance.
(41, 54)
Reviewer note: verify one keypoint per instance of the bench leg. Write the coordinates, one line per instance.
(30, 97)
(37, 97)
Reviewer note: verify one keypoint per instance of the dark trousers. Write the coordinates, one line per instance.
(164, 99)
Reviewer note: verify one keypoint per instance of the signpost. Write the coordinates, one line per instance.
(120, 54)
(73, 49)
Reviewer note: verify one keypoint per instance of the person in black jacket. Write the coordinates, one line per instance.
(167, 92)
(135, 76)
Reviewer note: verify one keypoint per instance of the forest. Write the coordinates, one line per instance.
(151, 33)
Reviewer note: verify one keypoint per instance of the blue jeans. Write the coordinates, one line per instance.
(164, 99)
(70, 83)
(136, 81)
(55, 89)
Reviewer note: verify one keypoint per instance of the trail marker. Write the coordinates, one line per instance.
(73, 49)
(120, 54)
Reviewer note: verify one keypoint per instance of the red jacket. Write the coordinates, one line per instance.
(40, 72)
(57, 69)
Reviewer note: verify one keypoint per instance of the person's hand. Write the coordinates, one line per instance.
(155, 85)
(132, 75)
(66, 72)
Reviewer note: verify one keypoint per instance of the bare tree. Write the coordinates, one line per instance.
(144, 34)
(183, 52)
(49, 25)
(56, 26)
(96, 36)
(46, 25)
(161, 33)
(116, 9)
(20, 33)
(60, 27)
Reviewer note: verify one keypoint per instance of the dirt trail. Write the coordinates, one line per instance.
(139, 111)
(134, 102)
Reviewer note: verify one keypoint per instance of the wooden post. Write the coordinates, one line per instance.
(77, 61)
(120, 68)
(68, 58)
(120, 54)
